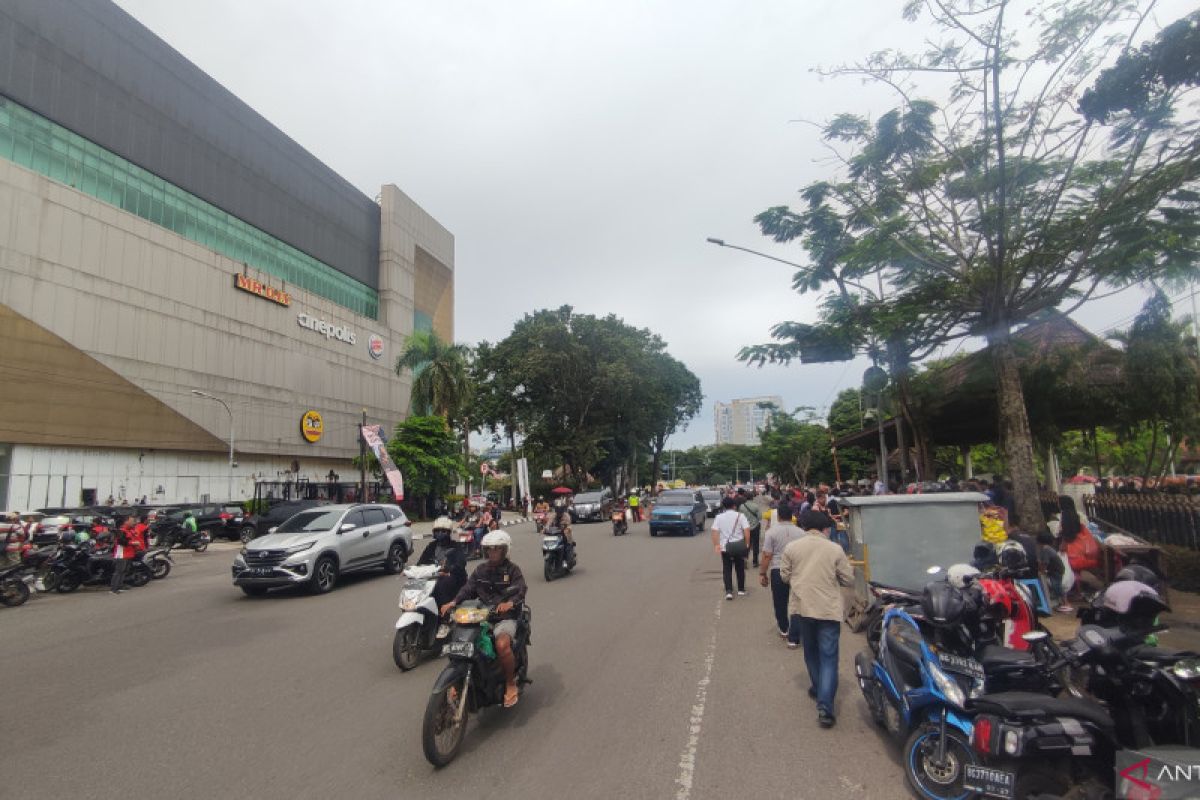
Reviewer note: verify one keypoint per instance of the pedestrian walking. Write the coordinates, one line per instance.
(815, 570)
(783, 531)
(731, 540)
(751, 509)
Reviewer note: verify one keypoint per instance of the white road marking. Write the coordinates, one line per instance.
(687, 759)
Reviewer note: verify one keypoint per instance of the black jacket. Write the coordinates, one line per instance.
(495, 585)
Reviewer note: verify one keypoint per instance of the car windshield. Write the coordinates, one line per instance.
(587, 497)
(676, 500)
(307, 521)
(712, 495)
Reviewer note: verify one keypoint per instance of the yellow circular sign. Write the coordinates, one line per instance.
(311, 426)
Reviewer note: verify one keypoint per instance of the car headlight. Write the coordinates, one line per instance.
(242, 552)
(1188, 669)
(299, 548)
(947, 686)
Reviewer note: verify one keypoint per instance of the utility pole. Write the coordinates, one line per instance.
(362, 460)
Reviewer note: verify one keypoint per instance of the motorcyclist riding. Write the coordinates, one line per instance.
(542, 506)
(561, 519)
(450, 559)
(473, 522)
(498, 582)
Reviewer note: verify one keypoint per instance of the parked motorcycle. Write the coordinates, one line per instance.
(1033, 746)
(158, 560)
(78, 565)
(620, 524)
(419, 630)
(920, 696)
(14, 589)
(174, 536)
(557, 553)
(472, 680)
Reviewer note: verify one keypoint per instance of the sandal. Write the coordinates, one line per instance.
(511, 696)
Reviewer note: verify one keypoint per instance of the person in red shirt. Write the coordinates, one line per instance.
(137, 536)
(122, 552)
(1080, 547)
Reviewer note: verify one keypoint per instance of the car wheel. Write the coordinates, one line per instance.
(254, 591)
(325, 575)
(397, 555)
(247, 533)
(653, 532)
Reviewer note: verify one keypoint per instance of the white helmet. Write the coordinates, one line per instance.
(496, 539)
(443, 524)
(960, 575)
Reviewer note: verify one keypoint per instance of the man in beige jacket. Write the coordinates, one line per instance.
(816, 569)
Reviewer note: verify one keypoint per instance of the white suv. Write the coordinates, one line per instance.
(314, 546)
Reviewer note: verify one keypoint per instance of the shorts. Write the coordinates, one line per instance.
(507, 628)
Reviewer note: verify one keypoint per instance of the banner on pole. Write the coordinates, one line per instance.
(373, 436)
(522, 480)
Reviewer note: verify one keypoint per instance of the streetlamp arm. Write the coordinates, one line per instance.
(723, 243)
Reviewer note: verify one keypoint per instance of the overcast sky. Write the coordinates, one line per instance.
(580, 152)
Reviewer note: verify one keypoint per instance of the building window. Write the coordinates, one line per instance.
(51, 150)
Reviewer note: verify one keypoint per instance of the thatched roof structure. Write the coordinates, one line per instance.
(1069, 374)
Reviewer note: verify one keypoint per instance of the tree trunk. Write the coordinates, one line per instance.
(1016, 441)
(1150, 454)
(902, 447)
(1096, 450)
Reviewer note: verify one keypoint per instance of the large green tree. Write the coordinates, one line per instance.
(427, 455)
(441, 381)
(1003, 199)
(590, 395)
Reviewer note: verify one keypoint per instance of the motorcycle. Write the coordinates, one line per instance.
(539, 520)
(173, 535)
(557, 553)
(1033, 746)
(466, 540)
(920, 696)
(158, 560)
(419, 630)
(79, 565)
(620, 524)
(14, 589)
(472, 680)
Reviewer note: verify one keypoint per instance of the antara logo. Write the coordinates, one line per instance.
(1141, 773)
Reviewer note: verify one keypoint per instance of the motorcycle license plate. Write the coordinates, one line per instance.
(462, 649)
(551, 542)
(988, 782)
(962, 665)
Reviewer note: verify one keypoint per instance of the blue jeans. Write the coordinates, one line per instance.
(820, 639)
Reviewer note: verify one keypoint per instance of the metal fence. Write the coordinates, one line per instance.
(1160, 518)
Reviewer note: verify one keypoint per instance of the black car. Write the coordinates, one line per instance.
(255, 525)
(592, 506)
(680, 511)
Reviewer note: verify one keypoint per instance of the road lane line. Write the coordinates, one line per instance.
(687, 759)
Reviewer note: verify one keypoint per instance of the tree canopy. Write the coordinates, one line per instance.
(971, 214)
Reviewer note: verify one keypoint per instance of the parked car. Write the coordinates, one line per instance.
(232, 517)
(592, 506)
(712, 501)
(255, 525)
(678, 511)
(314, 547)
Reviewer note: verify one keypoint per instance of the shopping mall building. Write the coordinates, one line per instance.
(174, 271)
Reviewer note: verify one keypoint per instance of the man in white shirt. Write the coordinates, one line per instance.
(729, 528)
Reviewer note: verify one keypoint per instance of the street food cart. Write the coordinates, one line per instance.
(895, 540)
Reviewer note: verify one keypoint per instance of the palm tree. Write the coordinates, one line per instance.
(441, 380)
(441, 377)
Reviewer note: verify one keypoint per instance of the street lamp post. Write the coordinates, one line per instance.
(228, 411)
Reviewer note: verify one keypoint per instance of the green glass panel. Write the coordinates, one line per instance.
(38, 144)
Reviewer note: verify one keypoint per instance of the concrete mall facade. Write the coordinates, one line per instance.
(159, 238)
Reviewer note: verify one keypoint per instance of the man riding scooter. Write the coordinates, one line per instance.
(473, 524)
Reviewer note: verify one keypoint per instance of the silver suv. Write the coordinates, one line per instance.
(314, 546)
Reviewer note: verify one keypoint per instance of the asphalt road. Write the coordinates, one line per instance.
(647, 684)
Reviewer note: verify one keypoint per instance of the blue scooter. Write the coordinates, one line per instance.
(919, 695)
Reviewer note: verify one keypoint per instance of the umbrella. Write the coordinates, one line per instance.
(1077, 479)
(562, 490)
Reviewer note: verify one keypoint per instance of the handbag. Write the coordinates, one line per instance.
(737, 548)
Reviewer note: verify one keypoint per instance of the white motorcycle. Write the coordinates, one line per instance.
(419, 630)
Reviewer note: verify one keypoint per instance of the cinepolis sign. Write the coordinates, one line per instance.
(327, 329)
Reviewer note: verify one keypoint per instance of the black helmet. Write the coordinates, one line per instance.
(1012, 557)
(983, 557)
(1142, 574)
(942, 603)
